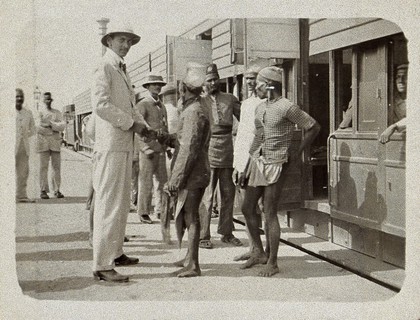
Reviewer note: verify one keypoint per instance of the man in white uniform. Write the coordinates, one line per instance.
(49, 127)
(115, 123)
(25, 128)
(244, 137)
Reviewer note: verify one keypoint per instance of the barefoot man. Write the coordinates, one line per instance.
(275, 120)
(190, 167)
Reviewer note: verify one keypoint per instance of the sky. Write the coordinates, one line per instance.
(68, 40)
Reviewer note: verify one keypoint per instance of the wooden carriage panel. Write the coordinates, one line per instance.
(394, 220)
(331, 34)
(285, 31)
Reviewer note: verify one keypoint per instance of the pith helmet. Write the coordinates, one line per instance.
(123, 28)
(152, 79)
(211, 72)
(270, 74)
(196, 75)
(168, 89)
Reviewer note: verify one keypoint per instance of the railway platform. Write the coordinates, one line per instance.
(53, 260)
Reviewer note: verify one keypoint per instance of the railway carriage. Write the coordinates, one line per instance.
(349, 188)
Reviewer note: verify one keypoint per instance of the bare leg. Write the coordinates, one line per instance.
(192, 269)
(260, 215)
(257, 255)
(192, 221)
(271, 195)
(184, 261)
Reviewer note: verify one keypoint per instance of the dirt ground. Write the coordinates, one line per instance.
(54, 262)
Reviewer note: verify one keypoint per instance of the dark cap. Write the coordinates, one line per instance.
(211, 72)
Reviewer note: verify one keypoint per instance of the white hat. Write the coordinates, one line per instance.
(123, 28)
(196, 75)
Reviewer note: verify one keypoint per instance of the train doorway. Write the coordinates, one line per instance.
(319, 105)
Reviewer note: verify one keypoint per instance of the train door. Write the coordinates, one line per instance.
(319, 109)
(367, 178)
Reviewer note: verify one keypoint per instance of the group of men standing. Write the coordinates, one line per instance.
(48, 127)
(203, 157)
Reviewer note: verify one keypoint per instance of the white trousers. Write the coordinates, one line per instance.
(44, 159)
(112, 184)
(22, 171)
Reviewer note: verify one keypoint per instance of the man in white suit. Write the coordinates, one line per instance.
(50, 125)
(115, 123)
(25, 128)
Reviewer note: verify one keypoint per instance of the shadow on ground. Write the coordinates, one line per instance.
(64, 200)
(56, 255)
(64, 284)
(68, 237)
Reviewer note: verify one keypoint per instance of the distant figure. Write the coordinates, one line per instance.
(397, 116)
(49, 127)
(275, 120)
(223, 108)
(168, 95)
(116, 121)
(136, 168)
(25, 128)
(152, 157)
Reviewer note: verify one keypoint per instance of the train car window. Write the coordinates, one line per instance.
(397, 79)
(343, 95)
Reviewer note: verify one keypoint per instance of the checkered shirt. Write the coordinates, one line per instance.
(274, 125)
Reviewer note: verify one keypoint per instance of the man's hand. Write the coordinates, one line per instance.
(239, 178)
(170, 188)
(150, 134)
(242, 181)
(46, 123)
(235, 177)
(163, 137)
(384, 138)
(138, 127)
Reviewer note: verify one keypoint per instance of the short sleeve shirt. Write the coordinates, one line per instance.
(274, 125)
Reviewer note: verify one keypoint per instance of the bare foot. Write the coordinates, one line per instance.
(242, 257)
(253, 260)
(179, 263)
(187, 272)
(269, 270)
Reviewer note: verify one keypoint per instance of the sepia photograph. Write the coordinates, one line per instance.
(209, 159)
